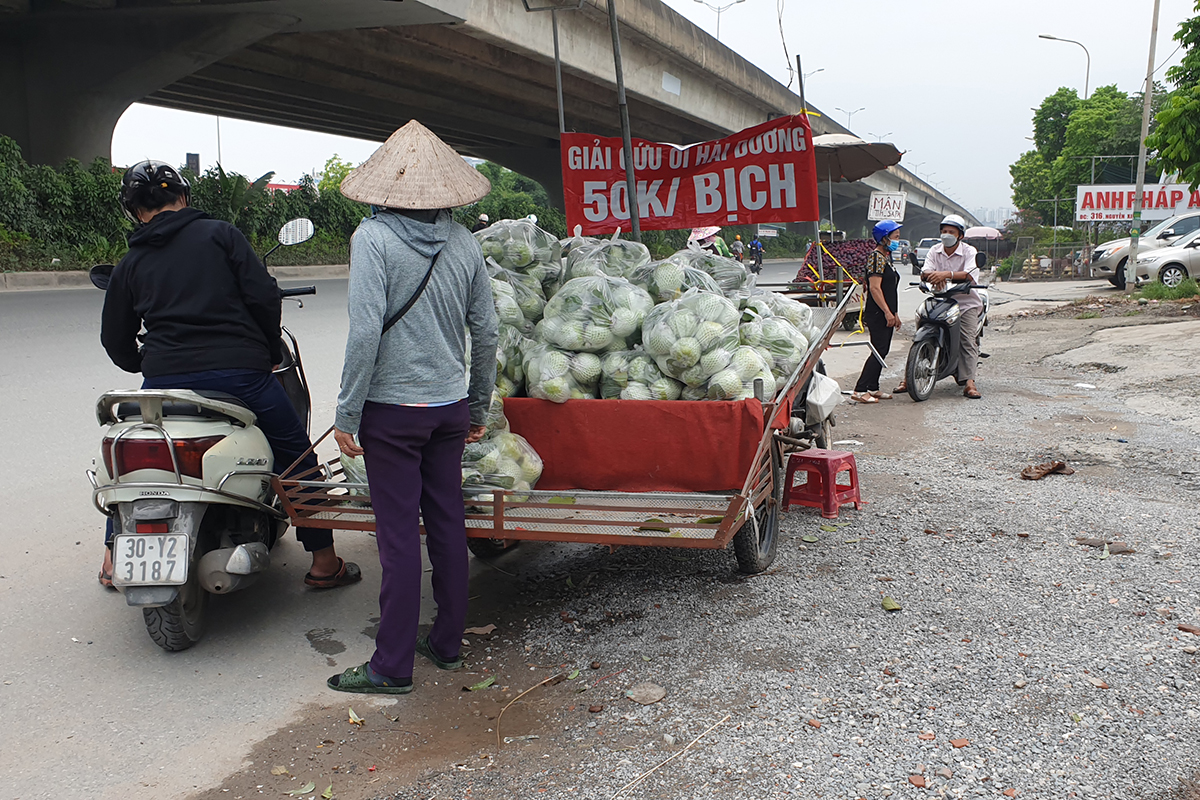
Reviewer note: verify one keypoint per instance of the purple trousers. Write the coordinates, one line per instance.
(414, 469)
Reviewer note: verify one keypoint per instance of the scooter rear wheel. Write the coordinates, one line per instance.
(179, 624)
(920, 373)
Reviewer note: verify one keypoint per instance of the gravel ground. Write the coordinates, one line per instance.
(1022, 663)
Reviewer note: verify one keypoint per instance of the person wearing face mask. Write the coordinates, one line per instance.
(881, 316)
(953, 260)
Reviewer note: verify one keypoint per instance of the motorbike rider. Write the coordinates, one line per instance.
(756, 251)
(710, 241)
(953, 260)
(211, 314)
(737, 248)
(481, 223)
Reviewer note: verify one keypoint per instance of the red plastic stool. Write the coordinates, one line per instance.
(822, 489)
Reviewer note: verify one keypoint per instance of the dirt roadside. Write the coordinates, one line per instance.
(442, 739)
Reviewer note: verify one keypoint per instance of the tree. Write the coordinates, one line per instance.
(336, 170)
(1030, 182)
(1176, 137)
(1050, 122)
(227, 195)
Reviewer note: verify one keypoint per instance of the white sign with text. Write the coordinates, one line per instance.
(887, 205)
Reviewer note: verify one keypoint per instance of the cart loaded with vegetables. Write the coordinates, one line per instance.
(637, 402)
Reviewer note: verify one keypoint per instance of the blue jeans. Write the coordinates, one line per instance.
(263, 394)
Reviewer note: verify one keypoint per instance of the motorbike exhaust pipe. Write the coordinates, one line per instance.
(232, 568)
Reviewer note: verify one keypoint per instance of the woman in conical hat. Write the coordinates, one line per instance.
(417, 283)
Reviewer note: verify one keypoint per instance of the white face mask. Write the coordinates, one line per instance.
(949, 240)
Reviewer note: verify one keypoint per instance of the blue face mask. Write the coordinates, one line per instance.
(893, 245)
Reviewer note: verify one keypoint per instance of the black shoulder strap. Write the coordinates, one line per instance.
(392, 320)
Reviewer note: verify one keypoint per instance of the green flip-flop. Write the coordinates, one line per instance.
(358, 681)
(424, 649)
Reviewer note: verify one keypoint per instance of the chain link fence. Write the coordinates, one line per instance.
(1048, 262)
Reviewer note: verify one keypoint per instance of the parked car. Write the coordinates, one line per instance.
(1172, 264)
(923, 247)
(1108, 259)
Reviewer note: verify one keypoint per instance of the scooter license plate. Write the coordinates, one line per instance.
(156, 559)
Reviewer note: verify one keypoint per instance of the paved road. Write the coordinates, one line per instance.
(91, 708)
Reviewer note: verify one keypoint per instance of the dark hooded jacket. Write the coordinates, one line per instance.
(204, 298)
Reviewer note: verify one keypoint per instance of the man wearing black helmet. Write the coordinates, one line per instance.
(211, 318)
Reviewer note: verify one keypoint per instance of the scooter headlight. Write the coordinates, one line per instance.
(953, 314)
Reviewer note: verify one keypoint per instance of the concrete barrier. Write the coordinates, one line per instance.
(78, 279)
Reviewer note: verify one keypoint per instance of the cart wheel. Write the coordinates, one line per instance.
(755, 545)
(849, 323)
(824, 438)
(490, 548)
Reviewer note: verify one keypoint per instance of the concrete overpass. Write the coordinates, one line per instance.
(478, 72)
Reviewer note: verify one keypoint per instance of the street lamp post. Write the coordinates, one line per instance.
(719, 10)
(1087, 77)
(850, 114)
(878, 137)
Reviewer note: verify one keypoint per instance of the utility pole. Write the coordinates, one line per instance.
(817, 221)
(1135, 233)
(631, 198)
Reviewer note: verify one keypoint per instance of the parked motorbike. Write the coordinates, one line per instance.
(935, 349)
(185, 476)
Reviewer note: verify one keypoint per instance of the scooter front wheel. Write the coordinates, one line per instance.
(179, 624)
(920, 373)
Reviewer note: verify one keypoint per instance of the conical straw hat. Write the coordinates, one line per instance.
(415, 169)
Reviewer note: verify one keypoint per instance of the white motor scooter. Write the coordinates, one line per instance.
(185, 477)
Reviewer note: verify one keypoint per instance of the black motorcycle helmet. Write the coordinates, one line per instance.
(151, 185)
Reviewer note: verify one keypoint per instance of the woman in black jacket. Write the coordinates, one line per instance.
(211, 314)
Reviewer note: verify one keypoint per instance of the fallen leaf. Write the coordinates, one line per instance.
(654, 524)
(561, 501)
(977, 438)
(1104, 555)
(280, 770)
(305, 789)
(884, 579)
(710, 520)
(483, 631)
(1094, 681)
(645, 658)
(889, 604)
(926, 737)
(595, 709)
(930, 530)
(1120, 548)
(570, 583)
(816, 723)
(959, 743)
(1010, 792)
(328, 793)
(574, 674)
(852, 541)
(483, 684)
(809, 538)
(355, 719)
(829, 528)
(1194, 630)
(646, 693)
(917, 781)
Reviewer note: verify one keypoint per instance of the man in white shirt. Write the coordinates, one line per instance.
(953, 260)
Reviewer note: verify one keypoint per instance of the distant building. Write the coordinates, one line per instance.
(282, 187)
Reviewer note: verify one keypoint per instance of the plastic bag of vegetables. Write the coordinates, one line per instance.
(510, 366)
(633, 375)
(558, 376)
(505, 460)
(575, 240)
(692, 338)
(667, 280)
(731, 276)
(595, 314)
(520, 245)
(616, 257)
(527, 291)
(786, 345)
(792, 310)
(507, 308)
(736, 381)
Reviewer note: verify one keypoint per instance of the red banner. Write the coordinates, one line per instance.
(762, 174)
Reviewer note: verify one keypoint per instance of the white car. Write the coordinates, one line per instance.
(923, 248)
(1109, 259)
(1172, 264)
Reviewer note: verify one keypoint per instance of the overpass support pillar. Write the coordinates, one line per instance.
(542, 164)
(66, 84)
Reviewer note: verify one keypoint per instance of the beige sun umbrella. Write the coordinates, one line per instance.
(414, 169)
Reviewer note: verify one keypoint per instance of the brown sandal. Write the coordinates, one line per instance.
(348, 574)
(972, 394)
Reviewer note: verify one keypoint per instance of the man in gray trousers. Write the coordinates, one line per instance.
(417, 284)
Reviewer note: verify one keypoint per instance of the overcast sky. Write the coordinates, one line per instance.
(950, 83)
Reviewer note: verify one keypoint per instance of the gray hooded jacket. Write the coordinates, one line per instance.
(422, 359)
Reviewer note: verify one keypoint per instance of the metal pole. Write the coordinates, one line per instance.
(562, 121)
(817, 222)
(219, 140)
(1135, 233)
(631, 198)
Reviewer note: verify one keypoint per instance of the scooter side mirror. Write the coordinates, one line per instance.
(297, 231)
(101, 275)
(980, 260)
(912, 259)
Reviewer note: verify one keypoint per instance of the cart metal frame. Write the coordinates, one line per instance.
(322, 497)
